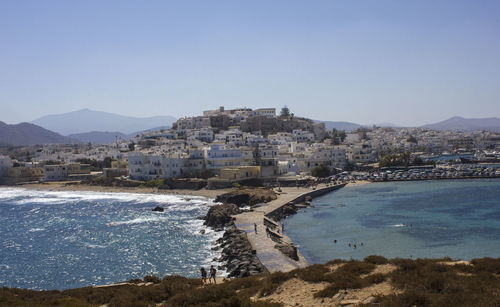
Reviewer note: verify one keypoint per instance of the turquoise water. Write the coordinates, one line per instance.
(421, 219)
(60, 240)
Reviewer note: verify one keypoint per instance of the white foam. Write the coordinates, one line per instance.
(138, 220)
(175, 202)
(94, 245)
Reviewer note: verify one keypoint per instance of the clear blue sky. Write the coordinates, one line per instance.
(406, 62)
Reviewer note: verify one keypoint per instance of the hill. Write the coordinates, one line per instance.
(346, 126)
(85, 120)
(104, 137)
(30, 134)
(458, 123)
(375, 281)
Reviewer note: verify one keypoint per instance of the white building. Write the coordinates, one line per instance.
(220, 156)
(203, 135)
(302, 136)
(269, 112)
(152, 166)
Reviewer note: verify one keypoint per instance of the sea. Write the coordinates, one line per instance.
(459, 219)
(61, 240)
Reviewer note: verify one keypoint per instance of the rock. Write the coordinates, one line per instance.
(289, 210)
(244, 197)
(289, 250)
(219, 216)
(237, 254)
(369, 300)
(158, 209)
(202, 231)
(349, 302)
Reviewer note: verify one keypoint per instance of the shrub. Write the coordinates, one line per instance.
(152, 279)
(313, 273)
(404, 264)
(321, 171)
(376, 259)
(340, 281)
(374, 279)
(487, 264)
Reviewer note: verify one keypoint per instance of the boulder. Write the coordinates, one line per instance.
(288, 249)
(158, 209)
(237, 254)
(247, 197)
(219, 216)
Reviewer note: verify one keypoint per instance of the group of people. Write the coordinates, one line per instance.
(213, 272)
(350, 245)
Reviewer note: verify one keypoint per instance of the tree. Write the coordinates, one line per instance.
(131, 146)
(256, 155)
(285, 112)
(412, 139)
(338, 136)
(321, 171)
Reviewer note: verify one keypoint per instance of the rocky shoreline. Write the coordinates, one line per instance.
(238, 256)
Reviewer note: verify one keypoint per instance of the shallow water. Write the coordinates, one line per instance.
(455, 218)
(59, 240)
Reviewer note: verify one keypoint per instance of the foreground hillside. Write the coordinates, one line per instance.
(372, 282)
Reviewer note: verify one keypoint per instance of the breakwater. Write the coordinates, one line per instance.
(300, 201)
(273, 248)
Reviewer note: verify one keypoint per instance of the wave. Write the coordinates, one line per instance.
(21, 196)
(138, 220)
(94, 245)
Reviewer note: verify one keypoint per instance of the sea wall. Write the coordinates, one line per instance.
(292, 206)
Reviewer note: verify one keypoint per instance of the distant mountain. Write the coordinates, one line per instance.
(387, 125)
(458, 123)
(83, 121)
(347, 126)
(99, 137)
(29, 134)
(104, 137)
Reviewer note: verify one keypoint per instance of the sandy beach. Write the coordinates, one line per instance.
(64, 186)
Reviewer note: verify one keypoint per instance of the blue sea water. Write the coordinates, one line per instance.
(421, 219)
(60, 240)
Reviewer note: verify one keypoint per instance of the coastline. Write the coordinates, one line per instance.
(272, 258)
(64, 186)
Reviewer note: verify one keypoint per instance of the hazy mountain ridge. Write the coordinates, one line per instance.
(105, 137)
(99, 137)
(339, 125)
(85, 121)
(30, 134)
(458, 123)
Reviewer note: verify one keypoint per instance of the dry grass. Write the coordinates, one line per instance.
(399, 282)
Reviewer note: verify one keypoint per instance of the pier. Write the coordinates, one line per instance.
(268, 230)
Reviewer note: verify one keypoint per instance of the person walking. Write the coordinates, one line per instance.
(213, 272)
(203, 275)
(255, 227)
